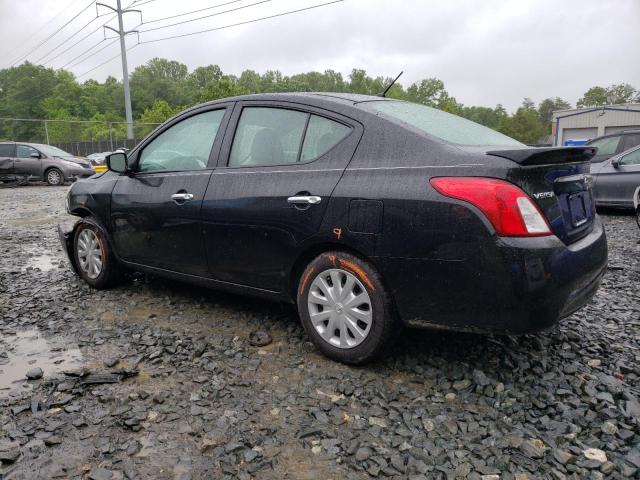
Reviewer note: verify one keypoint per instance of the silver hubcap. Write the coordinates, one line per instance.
(340, 308)
(54, 177)
(89, 253)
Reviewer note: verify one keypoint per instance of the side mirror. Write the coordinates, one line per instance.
(117, 162)
(35, 155)
(615, 163)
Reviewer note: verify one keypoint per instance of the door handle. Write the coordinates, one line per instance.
(182, 197)
(304, 200)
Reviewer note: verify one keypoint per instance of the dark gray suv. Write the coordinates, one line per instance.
(614, 143)
(33, 161)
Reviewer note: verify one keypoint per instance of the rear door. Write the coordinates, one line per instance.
(279, 165)
(25, 164)
(155, 211)
(615, 186)
(7, 154)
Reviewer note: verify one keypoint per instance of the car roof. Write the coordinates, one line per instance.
(616, 134)
(318, 99)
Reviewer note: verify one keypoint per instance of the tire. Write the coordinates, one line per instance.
(638, 207)
(89, 242)
(357, 337)
(54, 177)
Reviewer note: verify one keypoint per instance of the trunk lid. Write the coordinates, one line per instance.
(558, 181)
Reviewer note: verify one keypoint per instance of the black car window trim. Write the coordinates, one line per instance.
(296, 108)
(135, 154)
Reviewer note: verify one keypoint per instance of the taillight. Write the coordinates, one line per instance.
(510, 210)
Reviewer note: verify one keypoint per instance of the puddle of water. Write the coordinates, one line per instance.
(43, 262)
(29, 349)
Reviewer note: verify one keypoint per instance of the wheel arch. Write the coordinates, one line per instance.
(52, 167)
(312, 251)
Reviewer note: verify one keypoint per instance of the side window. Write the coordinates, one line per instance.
(6, 150)
(606, 146)
(632, 158)
(184, 146)
(631, 140)
(267, 136)
(23, 151)
(322, 135)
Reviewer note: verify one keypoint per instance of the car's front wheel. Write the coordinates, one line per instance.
(638, 210)
(94, 259)
(54, 177)
(345, 308)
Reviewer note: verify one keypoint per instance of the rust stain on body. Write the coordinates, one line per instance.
(356, 270)
(305, 280)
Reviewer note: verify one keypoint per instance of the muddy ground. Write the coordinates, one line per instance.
(194, 399)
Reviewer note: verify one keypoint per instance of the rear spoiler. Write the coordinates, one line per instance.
(547, 155)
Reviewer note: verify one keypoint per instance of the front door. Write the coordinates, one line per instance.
(278, 170)
(615, 186)
(25, 164)
(7, 154)
(155, 210)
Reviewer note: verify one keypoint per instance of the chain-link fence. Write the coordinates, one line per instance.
(79, 137)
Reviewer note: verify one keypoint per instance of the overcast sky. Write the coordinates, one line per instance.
(486, 52)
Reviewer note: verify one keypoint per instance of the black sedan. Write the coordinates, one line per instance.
(370, 214)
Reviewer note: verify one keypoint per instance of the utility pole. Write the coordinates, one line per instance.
(123, 56)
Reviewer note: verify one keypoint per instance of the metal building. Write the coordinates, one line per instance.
(576, 126)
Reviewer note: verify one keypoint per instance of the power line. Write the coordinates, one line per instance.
(79, 41)
(105, 62)
(241, 23)
(53, 34)
(102, 40)
(206, 16)
(58, 14)
(93, 54)
(193, 11)
(69, 38)
(88, 35)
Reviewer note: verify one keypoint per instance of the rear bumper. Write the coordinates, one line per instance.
(511, 285)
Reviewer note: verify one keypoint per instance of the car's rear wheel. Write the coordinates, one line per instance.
(95, 261)
(345, 308)
(54, 177)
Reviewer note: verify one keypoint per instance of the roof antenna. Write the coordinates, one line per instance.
(383, 94)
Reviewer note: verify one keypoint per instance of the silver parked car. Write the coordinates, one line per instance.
(34, 161)
(616, 180)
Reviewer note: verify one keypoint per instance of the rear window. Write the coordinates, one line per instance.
(448, 127)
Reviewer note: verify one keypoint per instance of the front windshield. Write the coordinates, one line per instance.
(448, 127)
(50, 151)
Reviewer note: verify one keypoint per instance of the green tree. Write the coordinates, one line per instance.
(223, 88)
(621, 93)
(159, 113)
(548, 106)
(524, 125)
(159, 79)
(612, 95)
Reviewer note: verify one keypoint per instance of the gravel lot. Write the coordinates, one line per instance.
(195, 399)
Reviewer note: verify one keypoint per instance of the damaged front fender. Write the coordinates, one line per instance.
(66, 240)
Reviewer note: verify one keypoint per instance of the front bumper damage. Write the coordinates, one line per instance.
(65, 234)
